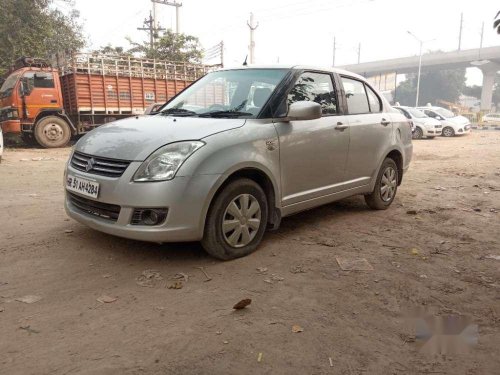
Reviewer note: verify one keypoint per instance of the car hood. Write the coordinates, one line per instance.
(136, 138)
(459, 120)
(427, 121)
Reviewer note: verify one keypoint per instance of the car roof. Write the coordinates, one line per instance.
(298, 67)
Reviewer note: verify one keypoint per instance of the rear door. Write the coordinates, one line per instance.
(313, 153)
(370, 130)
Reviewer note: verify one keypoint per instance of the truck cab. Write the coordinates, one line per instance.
(31, 105)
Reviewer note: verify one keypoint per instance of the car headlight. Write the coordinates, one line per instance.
(163, 164)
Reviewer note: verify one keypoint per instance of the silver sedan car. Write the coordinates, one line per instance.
(234, 153)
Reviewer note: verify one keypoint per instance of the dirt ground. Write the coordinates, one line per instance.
(430, 249)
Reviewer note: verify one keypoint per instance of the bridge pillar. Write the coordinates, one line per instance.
(489, 74)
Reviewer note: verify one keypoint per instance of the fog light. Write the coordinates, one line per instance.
(149, 216)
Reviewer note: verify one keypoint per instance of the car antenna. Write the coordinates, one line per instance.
(245, 62)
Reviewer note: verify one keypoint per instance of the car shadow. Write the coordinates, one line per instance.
(178, 253)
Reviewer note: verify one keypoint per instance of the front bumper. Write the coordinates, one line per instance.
(432, 132)
(11, 126)
(187, 200)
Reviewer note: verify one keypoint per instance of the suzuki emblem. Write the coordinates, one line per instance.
(90, 164)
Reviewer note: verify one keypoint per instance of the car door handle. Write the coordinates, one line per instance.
(341, 126)
(384, 122)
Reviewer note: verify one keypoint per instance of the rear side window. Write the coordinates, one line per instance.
(373, 99)
(315, 87)
(357, 101)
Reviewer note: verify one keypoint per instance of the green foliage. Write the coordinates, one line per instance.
(171, 46)
(475, 90)
(434, 85)
(110, 50)
(36, 28)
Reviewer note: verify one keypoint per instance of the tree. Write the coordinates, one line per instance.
(171, 46)
(434, 85)
(496, 23)
(36, 28)
(475, 91)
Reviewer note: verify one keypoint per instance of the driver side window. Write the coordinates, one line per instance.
(315, 87)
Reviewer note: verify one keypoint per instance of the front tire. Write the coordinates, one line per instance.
(418, 133)
(236, 220)
(385, 187)
(52, 132)
(448, 132)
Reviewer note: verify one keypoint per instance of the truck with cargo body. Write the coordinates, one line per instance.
(47, 104)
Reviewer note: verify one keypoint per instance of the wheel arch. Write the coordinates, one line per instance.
(262, 178)
(57, 113)
(397, 156)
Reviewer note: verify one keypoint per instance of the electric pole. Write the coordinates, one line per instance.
(151, 28)
(334, 50)
(251, 47)
(359, 53)
(460, 32)
(177, 13)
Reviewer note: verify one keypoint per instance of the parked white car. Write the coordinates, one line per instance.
(425, 126)
(491, 119)
(452, 124)
(1, 144)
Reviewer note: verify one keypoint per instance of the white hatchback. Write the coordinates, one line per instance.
(425, 126)
(452, 124)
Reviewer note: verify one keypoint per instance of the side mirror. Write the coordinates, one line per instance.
(25, 87)
(304, 110)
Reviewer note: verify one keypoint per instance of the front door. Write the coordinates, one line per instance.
(313, 153)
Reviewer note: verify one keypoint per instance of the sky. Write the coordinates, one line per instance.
(302, 31)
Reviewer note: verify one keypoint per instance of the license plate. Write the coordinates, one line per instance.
(82, 186)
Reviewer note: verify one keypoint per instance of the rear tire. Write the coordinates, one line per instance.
(52, 132)
(418, 133)
(236, 220)
(385, 187)
(448, 132)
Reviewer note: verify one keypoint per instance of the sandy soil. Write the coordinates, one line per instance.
(430, 250)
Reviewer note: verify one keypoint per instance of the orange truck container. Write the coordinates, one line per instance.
(48, 105)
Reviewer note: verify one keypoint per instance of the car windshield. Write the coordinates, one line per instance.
(444, 112)
(227, 94)
(416, 113)
(8, 85)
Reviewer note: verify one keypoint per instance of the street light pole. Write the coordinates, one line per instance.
(419, 70)
(419, 63)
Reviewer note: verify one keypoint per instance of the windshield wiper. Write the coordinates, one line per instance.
(178, 112)
(231, 114)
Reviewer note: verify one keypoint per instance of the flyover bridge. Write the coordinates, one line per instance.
(486, 59)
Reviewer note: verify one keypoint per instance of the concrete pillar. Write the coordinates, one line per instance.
(489, 73)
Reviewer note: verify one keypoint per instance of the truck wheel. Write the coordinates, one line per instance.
(236, 220)
(385, 188)
(52, 132)
(448, 132)
(418, 133)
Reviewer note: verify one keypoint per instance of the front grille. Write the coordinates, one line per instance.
(98, 165)
(103, 210)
